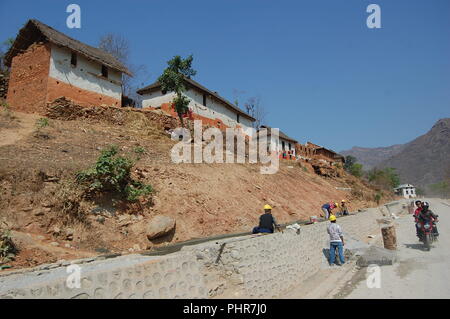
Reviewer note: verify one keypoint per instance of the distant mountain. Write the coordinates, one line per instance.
(371, 157)
(423, 161)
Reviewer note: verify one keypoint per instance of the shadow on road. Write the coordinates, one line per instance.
(415, 246)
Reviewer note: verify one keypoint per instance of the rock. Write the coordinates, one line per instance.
(101, 219)
(159, 226)
(67, 245)
(69, 233)
(38, 212)
(136, 247)
(54, 243)
(377, 256)
(56, 231)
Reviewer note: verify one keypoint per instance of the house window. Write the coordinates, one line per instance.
(73, 59)
(289, 146)
(204, 99)
(237, 118)
(282, 145)
(104, 71)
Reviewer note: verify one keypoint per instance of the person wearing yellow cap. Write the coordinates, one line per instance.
(326, 208)
(267, 221)
(344, 210)
(336, 241)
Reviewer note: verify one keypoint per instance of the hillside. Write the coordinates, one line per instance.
(426, 159)
(421, 162)
(371, 157)
(39, 199)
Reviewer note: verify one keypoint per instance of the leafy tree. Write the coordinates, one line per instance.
(349, 161)
(172, 80)
(356, 170)
(387, 178)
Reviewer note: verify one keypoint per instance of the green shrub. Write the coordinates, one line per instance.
(8, 249)
(112, 173)
(377, 198)
(42, 122)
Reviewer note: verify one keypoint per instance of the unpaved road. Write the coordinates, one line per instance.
(417, 273)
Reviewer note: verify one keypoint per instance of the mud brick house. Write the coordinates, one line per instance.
(283, 146)
(325, 154)
(205, 105)
(47, 64)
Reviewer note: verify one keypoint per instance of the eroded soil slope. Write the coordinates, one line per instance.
(38, 190)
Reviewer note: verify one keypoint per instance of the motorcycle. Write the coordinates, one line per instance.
(427, 234)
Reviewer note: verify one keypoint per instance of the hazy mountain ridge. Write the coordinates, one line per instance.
(423, 161)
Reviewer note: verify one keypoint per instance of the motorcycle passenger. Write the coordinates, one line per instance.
(416, 216)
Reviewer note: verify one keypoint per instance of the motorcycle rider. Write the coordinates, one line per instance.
(416, 216)
(426, 215)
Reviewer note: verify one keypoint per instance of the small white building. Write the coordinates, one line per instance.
(406, 190)
(204, 105)
(283, 146)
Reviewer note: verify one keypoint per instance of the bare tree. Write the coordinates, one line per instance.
(119, 47)
(254, 108)
(236, 95)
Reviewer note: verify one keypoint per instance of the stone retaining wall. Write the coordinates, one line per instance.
(263, 266)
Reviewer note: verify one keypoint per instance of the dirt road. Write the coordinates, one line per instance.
(417, 273)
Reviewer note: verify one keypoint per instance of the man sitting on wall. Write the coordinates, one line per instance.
(266, 222)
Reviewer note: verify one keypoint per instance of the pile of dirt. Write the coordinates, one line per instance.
(64, 109)
(39, 197)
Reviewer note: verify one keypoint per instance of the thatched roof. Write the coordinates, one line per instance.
(191, 83)
(35, 31)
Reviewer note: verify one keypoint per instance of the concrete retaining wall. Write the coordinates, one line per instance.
(263, 266)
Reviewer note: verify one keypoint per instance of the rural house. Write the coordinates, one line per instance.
(283, 146)
(406, 191)
(205, 105)
(46, 64)
(324, 154)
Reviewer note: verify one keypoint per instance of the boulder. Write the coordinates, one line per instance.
(159, 226)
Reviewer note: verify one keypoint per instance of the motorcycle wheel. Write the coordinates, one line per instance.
(427, 242)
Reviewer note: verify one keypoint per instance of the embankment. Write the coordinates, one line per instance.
(243, 267)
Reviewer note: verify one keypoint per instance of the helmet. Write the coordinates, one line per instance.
(336, 204)
(343, 201)
(418, 202)
(425, 204)
(267, 207)
(332, 218)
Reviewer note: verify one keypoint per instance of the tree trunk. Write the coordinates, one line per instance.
(389, 237)
(180, 116)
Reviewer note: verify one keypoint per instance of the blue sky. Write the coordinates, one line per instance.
(320, 73)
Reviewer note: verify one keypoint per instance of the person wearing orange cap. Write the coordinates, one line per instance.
(267, 222)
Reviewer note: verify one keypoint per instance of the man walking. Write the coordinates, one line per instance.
(336, 241)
